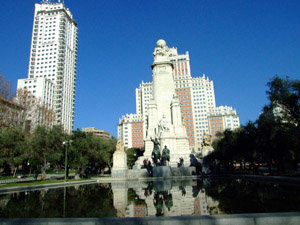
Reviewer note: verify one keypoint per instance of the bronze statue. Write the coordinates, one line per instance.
(156, 151)
(165, 155)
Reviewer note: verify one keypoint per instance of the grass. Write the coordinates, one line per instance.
(11, 177)
(58, 171)
(38, 182)
(101, 176)
(30, 183)
(7, 178)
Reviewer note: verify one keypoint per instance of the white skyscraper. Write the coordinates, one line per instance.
(53, 55)
(203, 100)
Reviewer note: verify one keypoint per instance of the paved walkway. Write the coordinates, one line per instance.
(243, 219)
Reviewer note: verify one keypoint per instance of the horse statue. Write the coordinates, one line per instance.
(156, 151)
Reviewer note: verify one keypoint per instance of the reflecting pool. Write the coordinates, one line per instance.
(153, 198)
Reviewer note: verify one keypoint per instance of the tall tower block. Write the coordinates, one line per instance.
(53, 55)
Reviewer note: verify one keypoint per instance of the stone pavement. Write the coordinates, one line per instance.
(241, 219)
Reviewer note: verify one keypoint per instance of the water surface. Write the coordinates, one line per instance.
(154, 198)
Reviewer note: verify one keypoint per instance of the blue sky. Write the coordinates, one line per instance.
(239, 45)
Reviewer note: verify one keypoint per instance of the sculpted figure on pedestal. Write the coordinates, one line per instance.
(163, 125)
(161, 49)
(165, 156)
(120, 147)
(156, 151)
(206, 140)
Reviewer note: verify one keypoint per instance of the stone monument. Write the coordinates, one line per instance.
(206, 145)
(119, 161)
(164, 120)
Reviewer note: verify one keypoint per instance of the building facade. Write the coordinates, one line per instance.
(36, 96)
(131, 130)
(99, 133)
(53, 56)
(203, 100)
(40, 87)
(10, 113)
(222, 118)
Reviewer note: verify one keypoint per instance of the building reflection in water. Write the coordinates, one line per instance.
(163, 198)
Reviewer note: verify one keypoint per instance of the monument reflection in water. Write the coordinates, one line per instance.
(167, 197)
(163, 198)
(203, 197)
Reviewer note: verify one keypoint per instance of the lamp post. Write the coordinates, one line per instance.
(66, 157)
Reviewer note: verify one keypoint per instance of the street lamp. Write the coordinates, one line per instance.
(66, 156)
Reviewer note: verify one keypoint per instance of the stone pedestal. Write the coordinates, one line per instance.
(119, 173)
(183, 171)
(206, 150)
(162, 171)
(119, 164)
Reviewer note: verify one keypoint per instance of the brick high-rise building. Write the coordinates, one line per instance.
(130, 130)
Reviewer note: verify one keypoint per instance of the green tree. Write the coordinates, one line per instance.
(79, 152)
(108, 150)
(13, 148)
(273, 139)
(46, 147)
(285, 94)
(89, 153)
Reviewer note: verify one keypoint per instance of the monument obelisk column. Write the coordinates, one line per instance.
(164, 116)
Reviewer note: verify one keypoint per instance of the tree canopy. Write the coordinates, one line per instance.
(273, 139)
